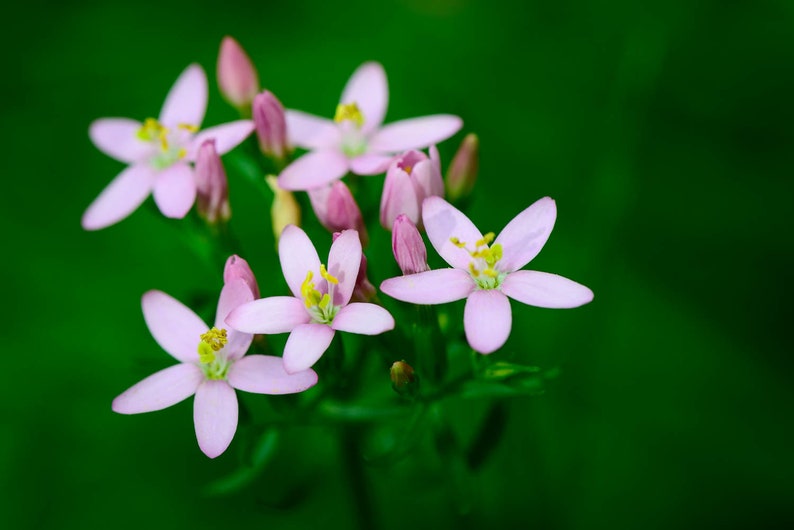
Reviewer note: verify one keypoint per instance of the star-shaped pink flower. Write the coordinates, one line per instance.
(355, 140)
(159, 153)
(320, 305)
(212, 365)
(486, 271)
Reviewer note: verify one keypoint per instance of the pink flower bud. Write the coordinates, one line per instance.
(337, 210)
(212, 196)
(237, 77)
(410, 178)
(408, 247)
(462, 171)
(236, 267)
(271, 125)
(363, 291)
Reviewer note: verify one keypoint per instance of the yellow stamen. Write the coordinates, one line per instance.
(325, 274)
(457, 242)
(211, 341)
(182, 153)
(408, 169)
(324, 301)
(349, 111)
(490, 272)
(473, 269)
(188, 127)
(486, 239)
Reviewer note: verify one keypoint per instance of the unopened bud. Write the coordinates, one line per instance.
(410, 178)
(237, 268)
(363, 291)
(408, 247)
(212, 194)
(462, 171)
(271, 125)
(237, 77)
(285, 210)
(403, 379)
(337, 210)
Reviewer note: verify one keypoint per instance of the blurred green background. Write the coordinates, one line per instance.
(665, 132)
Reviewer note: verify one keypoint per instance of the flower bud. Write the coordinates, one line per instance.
(410, 178)
(236, 267)
(212, 194)
(285, 210)
(237, 77)
(363, 291)
(337, 210)
(271, 125)
(462, 171)
(408, 247)
(403, 379)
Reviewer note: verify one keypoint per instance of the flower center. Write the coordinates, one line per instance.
(320, 305)
(482, 267)
(350, 120)
(212, 342)
(170, 142)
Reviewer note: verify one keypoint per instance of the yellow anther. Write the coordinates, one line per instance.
(324, 301)
(188, 127)
(215, 338)
(496, 252)
(457, 242)
(490, 272)
(182, 153)
(151, 130)
(473, 270)
(325, 274)
(349, 111)
(486, 239)
(408, 169)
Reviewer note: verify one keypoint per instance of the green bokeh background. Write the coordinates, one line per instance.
(665, 132)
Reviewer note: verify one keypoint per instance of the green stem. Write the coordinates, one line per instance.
(354, 465)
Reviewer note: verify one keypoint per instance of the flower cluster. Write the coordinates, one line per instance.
(171, 158)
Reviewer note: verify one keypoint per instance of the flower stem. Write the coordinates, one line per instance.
(354, 466)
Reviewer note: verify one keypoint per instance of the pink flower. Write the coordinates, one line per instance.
(271, 125)
(486, 271)
(337, 210)
(320, 304)
(408, 247)
(159, 152)
(212, 186)
(411, 178)
(355, 140)
(211, 367)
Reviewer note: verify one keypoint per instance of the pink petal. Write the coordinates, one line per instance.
(234, 294)
(120, 198)
(487, 320)
(443, 222)
(176, 328)
(118, 138)
(368, 89)
(175, 190)
(364, 319)
(305, 345)
(265, 374)
(344, 259)
(311, 132)
(542, 289)
(226, 136)
(524, 236)
(277, 314)
(431, 287)
(298, 256)
(215, 416)
(436, 181)
(187, 100)
(313, 170)
(415, 133)
(370, 164)
(160, 390)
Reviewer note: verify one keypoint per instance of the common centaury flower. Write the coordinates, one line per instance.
(212, 365)
(320, 303)
(355, 140)
(486, 271)
(159, 152)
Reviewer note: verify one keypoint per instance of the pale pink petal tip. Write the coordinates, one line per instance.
(369, 90)
(237, 78)
(120, 198)
(175, 190)
(160, 390)
(313, 170)
(364, 319)
(524, 236)
(187, 100)
(265, 374)
(431, 287)
(542, 289)
(215, 417)
(487, 320)
(305, 345)
(174, 326)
